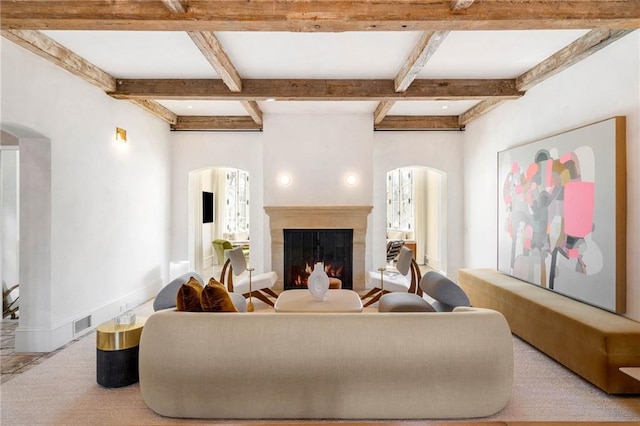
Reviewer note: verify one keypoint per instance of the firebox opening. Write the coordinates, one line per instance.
(303, 248)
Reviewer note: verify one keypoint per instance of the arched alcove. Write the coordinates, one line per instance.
(212, 184)
(417, 212)
(32, 334)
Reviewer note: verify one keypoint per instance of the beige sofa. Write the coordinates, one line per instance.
(326, 366)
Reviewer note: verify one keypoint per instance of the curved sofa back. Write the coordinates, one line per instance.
(326, 366)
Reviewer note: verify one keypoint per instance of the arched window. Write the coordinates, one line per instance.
(400, 195)
(237, 194)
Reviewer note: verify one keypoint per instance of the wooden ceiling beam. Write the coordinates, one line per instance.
(575, 52)
(583, 47)
(318, 16)
(254, 111)
(156, 109)
(381, 111)
(49, 49)
(413, 122)
(478, 110)
(189, 122)
(176, 6)
(423, 51)
(315, 90)
(461, 4)
(212, 50)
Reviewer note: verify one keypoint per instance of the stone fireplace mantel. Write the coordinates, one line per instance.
(319, 217)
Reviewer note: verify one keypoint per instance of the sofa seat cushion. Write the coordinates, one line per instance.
(258, 282)
(393, 281)
(403, 302)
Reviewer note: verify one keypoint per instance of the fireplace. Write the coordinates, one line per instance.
(303, 248)
(319, 218)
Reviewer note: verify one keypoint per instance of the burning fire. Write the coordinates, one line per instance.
(302, 277)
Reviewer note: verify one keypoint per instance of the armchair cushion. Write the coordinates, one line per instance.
(189, 295)
(258, 282)
(216, 298)
(403, 302)
(393, 281)
(446, 293)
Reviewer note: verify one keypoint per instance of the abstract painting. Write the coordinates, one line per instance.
(562, 213)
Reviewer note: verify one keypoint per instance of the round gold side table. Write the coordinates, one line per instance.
(117, 353)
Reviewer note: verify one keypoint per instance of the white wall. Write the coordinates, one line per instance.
(436, 218)
(442, 151)
(604, 85)
(318, 152)
(192, 151)
(109, 201)
(206, 181)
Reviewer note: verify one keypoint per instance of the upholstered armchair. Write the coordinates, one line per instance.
(253, 285)
(221, 247)
(406, 278)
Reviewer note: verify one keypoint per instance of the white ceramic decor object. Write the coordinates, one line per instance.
(318, 282)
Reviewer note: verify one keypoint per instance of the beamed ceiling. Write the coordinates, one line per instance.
(221, 64)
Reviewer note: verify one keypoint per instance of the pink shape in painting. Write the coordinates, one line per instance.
(549, 190)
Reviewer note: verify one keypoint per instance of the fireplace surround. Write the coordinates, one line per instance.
(319, 217)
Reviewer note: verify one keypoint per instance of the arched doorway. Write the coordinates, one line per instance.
(218, 211)
(34, 218)
(417, 212)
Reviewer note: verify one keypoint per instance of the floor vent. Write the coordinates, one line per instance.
(82, 324)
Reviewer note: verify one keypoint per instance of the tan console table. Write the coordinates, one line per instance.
(334, 301)
(631, 371)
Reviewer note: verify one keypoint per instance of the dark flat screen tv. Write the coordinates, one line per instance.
(207, 207)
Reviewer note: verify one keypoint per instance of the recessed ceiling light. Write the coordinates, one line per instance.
(270, 100)
(445, 106)
(189, 106)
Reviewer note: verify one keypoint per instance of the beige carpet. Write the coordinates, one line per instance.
(63, 391)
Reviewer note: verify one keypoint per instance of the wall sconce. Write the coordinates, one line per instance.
(121, 135)
(351, 179)
(285, 179)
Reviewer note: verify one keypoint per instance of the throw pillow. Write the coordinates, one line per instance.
(188, 297)
(215, 298)
(166, 298)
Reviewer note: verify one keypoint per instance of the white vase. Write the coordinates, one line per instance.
(318, 282)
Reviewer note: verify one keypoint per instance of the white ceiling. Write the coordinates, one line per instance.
(348, 55)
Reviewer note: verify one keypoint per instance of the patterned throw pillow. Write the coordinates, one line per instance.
(215, 298)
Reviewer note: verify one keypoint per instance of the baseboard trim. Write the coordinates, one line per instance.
(40, 339)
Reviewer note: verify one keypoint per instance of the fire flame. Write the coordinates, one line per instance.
(332, 271)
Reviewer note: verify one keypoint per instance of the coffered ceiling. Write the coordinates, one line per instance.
(428, 64)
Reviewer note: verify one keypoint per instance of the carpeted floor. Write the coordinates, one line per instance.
(62, 390)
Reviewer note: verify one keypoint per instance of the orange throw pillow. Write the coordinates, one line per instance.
(189, 294)
(215, 298)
